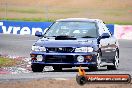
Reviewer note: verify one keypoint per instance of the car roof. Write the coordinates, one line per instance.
(80, 19)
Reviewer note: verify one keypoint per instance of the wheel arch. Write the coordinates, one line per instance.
(99, 51)
(117, 49)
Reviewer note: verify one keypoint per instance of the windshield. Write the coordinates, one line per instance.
(74, 29)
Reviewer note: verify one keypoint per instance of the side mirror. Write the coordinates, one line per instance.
(105, 35)
(39, 34)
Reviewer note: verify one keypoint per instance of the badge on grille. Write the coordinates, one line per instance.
(60, 48)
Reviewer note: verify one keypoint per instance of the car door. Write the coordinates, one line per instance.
(112, 48)
(105, 49)
(106, 44)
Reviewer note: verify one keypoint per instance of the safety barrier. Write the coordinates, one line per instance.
(123, 31)
(22, 27)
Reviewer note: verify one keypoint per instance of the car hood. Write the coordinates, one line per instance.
(79, 42)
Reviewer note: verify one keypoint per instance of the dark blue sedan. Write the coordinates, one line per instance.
(75, 42)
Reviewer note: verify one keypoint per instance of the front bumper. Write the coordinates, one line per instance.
(72, 62)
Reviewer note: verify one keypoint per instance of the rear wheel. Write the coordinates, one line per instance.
(37, 68)
(98, 62)
(115, 62)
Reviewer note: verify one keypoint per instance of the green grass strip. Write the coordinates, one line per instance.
(52, 20)
(7, 62)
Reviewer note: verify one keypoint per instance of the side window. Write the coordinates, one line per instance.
(103, 28)
(106, 29)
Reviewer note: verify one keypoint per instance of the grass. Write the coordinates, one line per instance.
(40, 11)
(115, 11)
(52, 20)
(32, 11)
(7, 62)
(120, 23)
(29, 19)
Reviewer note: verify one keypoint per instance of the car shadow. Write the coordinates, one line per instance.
(76, 70)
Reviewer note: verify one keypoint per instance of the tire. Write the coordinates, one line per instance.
(57, 68)
(115, 62)
(98, 62)
(37, 68)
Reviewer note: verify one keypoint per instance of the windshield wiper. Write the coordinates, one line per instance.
(65, 36)
(60, 35)
(87, 37)
(49, 36)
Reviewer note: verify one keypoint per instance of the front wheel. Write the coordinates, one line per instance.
(37, 68)
(98, 63)
(115, 62)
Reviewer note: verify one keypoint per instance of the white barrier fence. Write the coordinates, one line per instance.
(123, 31)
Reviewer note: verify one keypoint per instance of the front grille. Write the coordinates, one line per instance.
(59, 59)
(61, 49)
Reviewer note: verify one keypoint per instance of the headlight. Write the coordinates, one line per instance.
(38, 48)
(84, 49)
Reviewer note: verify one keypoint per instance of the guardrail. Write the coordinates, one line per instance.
(24, 27)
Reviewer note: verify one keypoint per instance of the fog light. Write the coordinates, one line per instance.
(39, 57)
(32, 55)
(33, 59)
(80, 59)
(88, 58)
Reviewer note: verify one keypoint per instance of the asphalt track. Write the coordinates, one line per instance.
(18, 45)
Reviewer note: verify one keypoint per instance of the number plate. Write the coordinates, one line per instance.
(57, 56)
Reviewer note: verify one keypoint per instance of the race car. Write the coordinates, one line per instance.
(74, 42)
